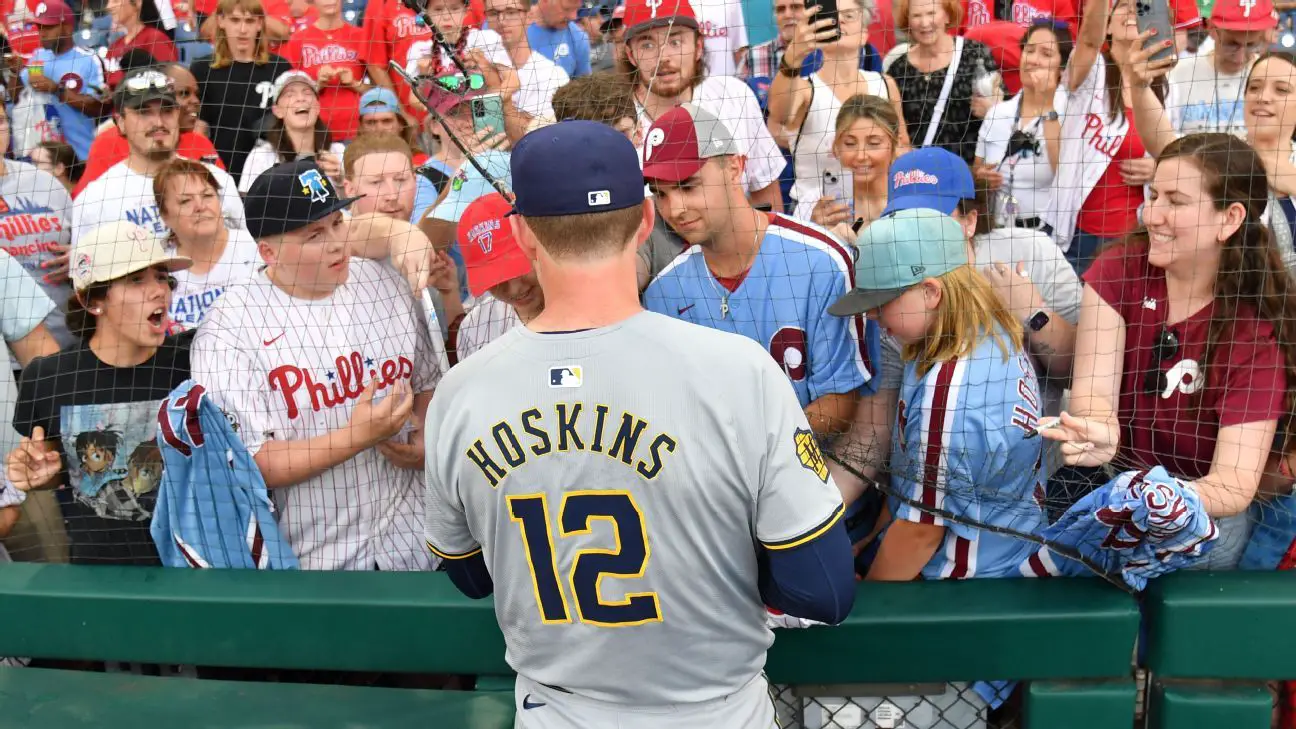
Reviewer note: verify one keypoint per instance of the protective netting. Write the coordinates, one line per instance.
(245, 243)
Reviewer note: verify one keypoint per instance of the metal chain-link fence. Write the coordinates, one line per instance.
(955, 705)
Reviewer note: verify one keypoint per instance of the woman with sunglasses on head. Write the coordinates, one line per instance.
(235, 82)
(1186, 350)
(296, 132)
(809, 107)
(1269, 113)
(188, 197)
(88, 415)
(1102, 163)
(1017, 147)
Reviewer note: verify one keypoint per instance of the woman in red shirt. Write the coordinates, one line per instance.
(337, 55)
(1186, 347)
(142, 28)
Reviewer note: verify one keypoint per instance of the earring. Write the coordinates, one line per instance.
(96, 311)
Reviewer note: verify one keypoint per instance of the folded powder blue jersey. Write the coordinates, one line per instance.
(213, 509)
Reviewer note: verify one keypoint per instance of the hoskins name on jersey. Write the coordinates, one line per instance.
(597, 432)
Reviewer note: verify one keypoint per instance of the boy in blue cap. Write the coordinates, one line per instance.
(519, 471)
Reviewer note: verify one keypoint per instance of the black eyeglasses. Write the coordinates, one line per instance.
(1164, 347)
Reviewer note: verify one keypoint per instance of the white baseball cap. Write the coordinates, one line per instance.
(287, 78)
(113, 250)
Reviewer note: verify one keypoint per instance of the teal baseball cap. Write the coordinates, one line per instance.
(467, 184)
(898, 251)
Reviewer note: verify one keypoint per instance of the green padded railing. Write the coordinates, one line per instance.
(1058, 632)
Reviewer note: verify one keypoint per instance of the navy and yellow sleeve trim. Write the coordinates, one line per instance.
(814, 533)
(453, 555)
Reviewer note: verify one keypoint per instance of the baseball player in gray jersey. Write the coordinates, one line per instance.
(634, 489)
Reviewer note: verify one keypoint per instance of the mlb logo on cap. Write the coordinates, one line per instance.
(569, 376)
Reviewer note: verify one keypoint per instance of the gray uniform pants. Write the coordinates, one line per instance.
(541, 707)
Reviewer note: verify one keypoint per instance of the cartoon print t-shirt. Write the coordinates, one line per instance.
(104, 422)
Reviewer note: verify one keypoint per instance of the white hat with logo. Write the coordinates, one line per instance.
(113, 250)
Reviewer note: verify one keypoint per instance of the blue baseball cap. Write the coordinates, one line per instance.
(897, 252)
(379, 100)
(930, 177)
(467, 184)
(575, 168)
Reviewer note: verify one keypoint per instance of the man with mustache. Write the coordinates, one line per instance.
(148, 116)
(664, 63)
(110, 147)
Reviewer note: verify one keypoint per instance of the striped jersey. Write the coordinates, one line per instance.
(960, 458)
(782, 303)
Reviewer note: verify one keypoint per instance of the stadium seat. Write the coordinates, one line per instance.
(191, 51)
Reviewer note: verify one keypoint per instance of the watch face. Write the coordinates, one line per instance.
(1038, 322)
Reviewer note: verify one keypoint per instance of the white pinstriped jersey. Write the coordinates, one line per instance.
(958, 446)
(617, 481)
(290, 369)
(485, 322)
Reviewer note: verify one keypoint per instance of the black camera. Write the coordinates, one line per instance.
(1023, 143)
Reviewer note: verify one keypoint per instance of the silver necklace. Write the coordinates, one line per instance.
(721, 291)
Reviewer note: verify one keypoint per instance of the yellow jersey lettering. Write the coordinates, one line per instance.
(567, 427)
(650, 469)
(489, 469)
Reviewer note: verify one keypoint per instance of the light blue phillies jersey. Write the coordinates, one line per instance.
(212, 507)
(782, 304)
(959, 447)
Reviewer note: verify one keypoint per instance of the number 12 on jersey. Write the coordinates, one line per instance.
(628, 559)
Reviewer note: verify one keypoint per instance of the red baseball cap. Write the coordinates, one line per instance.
(490, 252)
(681, 141)
(641, 15)
(1244, 15)
(50, 12)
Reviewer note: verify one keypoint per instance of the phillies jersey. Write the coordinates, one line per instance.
(288, 369)
(782, 304)
(585, 467)
(212, 507)
(346, 47)
(959, 446)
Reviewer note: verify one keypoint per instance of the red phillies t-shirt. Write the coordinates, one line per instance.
(1176, 426)
(344, 47)
(153, 41)
(1024, 12)
(1111, 210)
(282, 10)
(110, 147)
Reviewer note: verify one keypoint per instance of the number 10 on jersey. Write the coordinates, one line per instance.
(628, 559)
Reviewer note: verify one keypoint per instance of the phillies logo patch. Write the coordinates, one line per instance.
(314, 184)
(73, 82)
(83, 266)
(652, 7)
(656, 136)
(788, 348)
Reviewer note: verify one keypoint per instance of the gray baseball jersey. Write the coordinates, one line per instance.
(617, 482)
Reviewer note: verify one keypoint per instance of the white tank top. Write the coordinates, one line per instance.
(812, 147)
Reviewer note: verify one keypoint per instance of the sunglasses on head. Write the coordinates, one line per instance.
(150, 81)
(458, 84)
(1165, 346)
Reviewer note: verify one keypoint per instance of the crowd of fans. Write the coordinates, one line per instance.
(1126, 221)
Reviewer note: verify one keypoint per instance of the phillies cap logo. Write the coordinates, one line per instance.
(656, 136)
(313, 184)
(42, 8)
(652, 6)
(81, 269)
(141, 239)
(1247, 5)
(914, 177)
(73, 82)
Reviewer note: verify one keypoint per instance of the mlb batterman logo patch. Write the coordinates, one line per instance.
(807, 450)
(569, 376)
(81, 269)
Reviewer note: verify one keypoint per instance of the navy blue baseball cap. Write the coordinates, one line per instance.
(930, 177)
(575, 168)
(289, 196)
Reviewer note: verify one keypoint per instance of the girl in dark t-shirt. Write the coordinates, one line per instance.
(1184, 358)
(88, 415)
